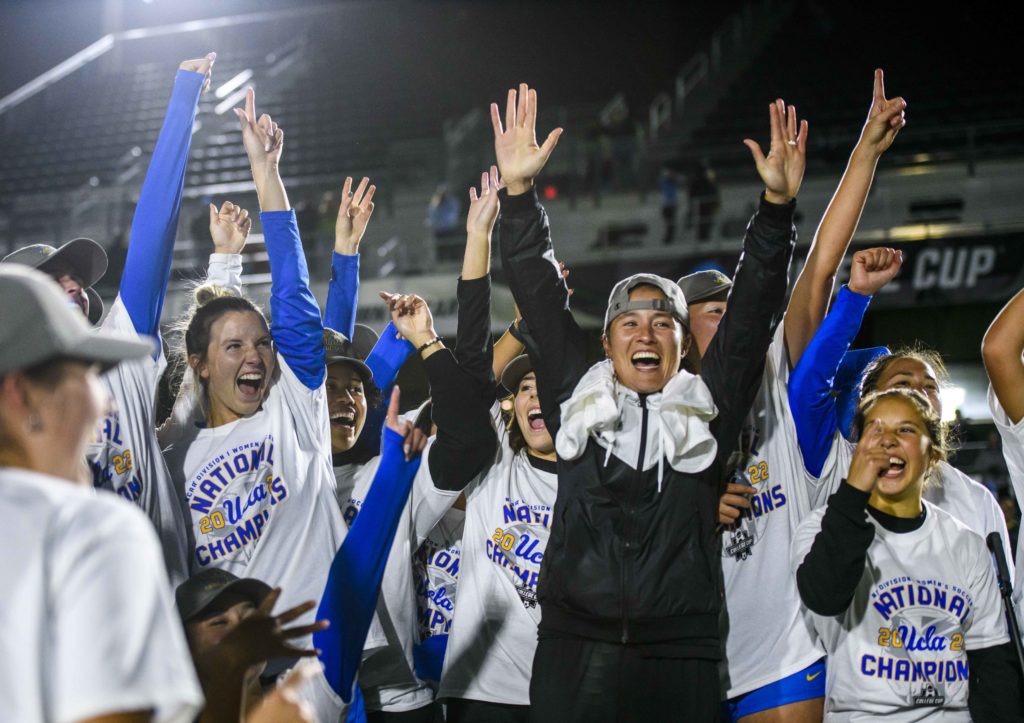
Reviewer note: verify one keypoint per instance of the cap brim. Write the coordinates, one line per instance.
(514, 371)
(108, 350)
(95, 306)
(84, 256)
(248, 587)
(360, 366)
(719, 294)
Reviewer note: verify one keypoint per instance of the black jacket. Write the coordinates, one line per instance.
(626, 563)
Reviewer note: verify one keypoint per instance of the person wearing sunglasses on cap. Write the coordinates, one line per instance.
(89, 632)
(630, 589)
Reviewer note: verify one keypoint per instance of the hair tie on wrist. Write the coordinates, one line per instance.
(435, 340)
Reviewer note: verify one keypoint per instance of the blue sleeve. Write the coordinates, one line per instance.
(428, 657)
(385, 359)
(342, 294)
(810, 385)
(353, 583)
(155, 224)
(295, 324)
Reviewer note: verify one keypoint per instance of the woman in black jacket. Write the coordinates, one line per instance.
(630, 587)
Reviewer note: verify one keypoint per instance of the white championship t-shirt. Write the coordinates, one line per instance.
(87, 624)
(494, 634)
(768, 635)
(259, 491)
(387, 675)
(925, 598)
(125, 457)
(436, 570)
(1013, 452)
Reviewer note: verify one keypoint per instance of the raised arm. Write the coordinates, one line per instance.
(1001, 351)
(151, 242)
(527, 256)
(813, 290)
(296, 325)
(466, 441)
(733, 363)
(353, 583)
(354, 212)
(811, 402)
(229, 230)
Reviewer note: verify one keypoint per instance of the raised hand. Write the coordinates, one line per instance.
(411, 317)
(520, 159)
(885, 118)
(414, 439)
(262, 138)
(782, 170)
(354, 214)
(261, 636)
(283, 704)
(203, 66)
(229, 228)
(483, 208)
(870, 459)
(874, 268)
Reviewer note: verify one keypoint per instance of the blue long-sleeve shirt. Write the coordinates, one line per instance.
(155, 224)
(814, 407)
(342, 294)
(295, 324)
(353, 584)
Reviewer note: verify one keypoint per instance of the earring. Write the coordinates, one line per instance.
(35, 424)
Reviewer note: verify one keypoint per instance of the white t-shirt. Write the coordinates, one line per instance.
(87, 624)
(494, 634)
(125, 457)
(768, 635)
(1013, 452)
(387, 675)
(259, 491)
(436, 570)
(951, 491)
(925, 598)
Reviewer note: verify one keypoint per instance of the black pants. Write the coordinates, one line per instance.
(585, 680)
(461, 710)
(427, 714)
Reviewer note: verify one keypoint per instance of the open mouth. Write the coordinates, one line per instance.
(250, 384)
(646, 360)
(896, 467)
(535, 419)
(343, 420)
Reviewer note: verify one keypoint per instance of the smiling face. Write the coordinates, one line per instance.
(238, 366)
(911, 373)
(346, 401)
(705, 316)
(529, 418)
(645, 345)
(895, 425)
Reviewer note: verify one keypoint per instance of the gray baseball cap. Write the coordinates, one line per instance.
(705, 286)
(39, 324)
(83, 256)
(202, 590)
(514, 372)
(340, 349)
(674, 302)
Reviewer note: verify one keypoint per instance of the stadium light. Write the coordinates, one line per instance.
(233, 83)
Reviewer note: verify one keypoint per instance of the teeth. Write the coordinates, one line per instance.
(251, 377)
(349, 418)
(534, 414)
(895, 460)
(646, 355)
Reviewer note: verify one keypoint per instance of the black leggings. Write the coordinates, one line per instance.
(427, 714)
(578, 681)
(462, 710)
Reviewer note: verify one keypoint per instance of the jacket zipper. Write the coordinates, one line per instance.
(631, 515)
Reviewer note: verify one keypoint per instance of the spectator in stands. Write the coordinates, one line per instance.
(443, 217)
(628, 594)
(126, 457)
(88, 628)
(899, 586)
(703, 200)
(668, 187)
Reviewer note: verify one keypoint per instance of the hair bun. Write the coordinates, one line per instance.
(206, 293)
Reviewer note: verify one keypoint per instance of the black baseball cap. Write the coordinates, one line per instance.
(710, 285)
(83, 256)
(514, 372)
(202, 589)
(341, 349)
